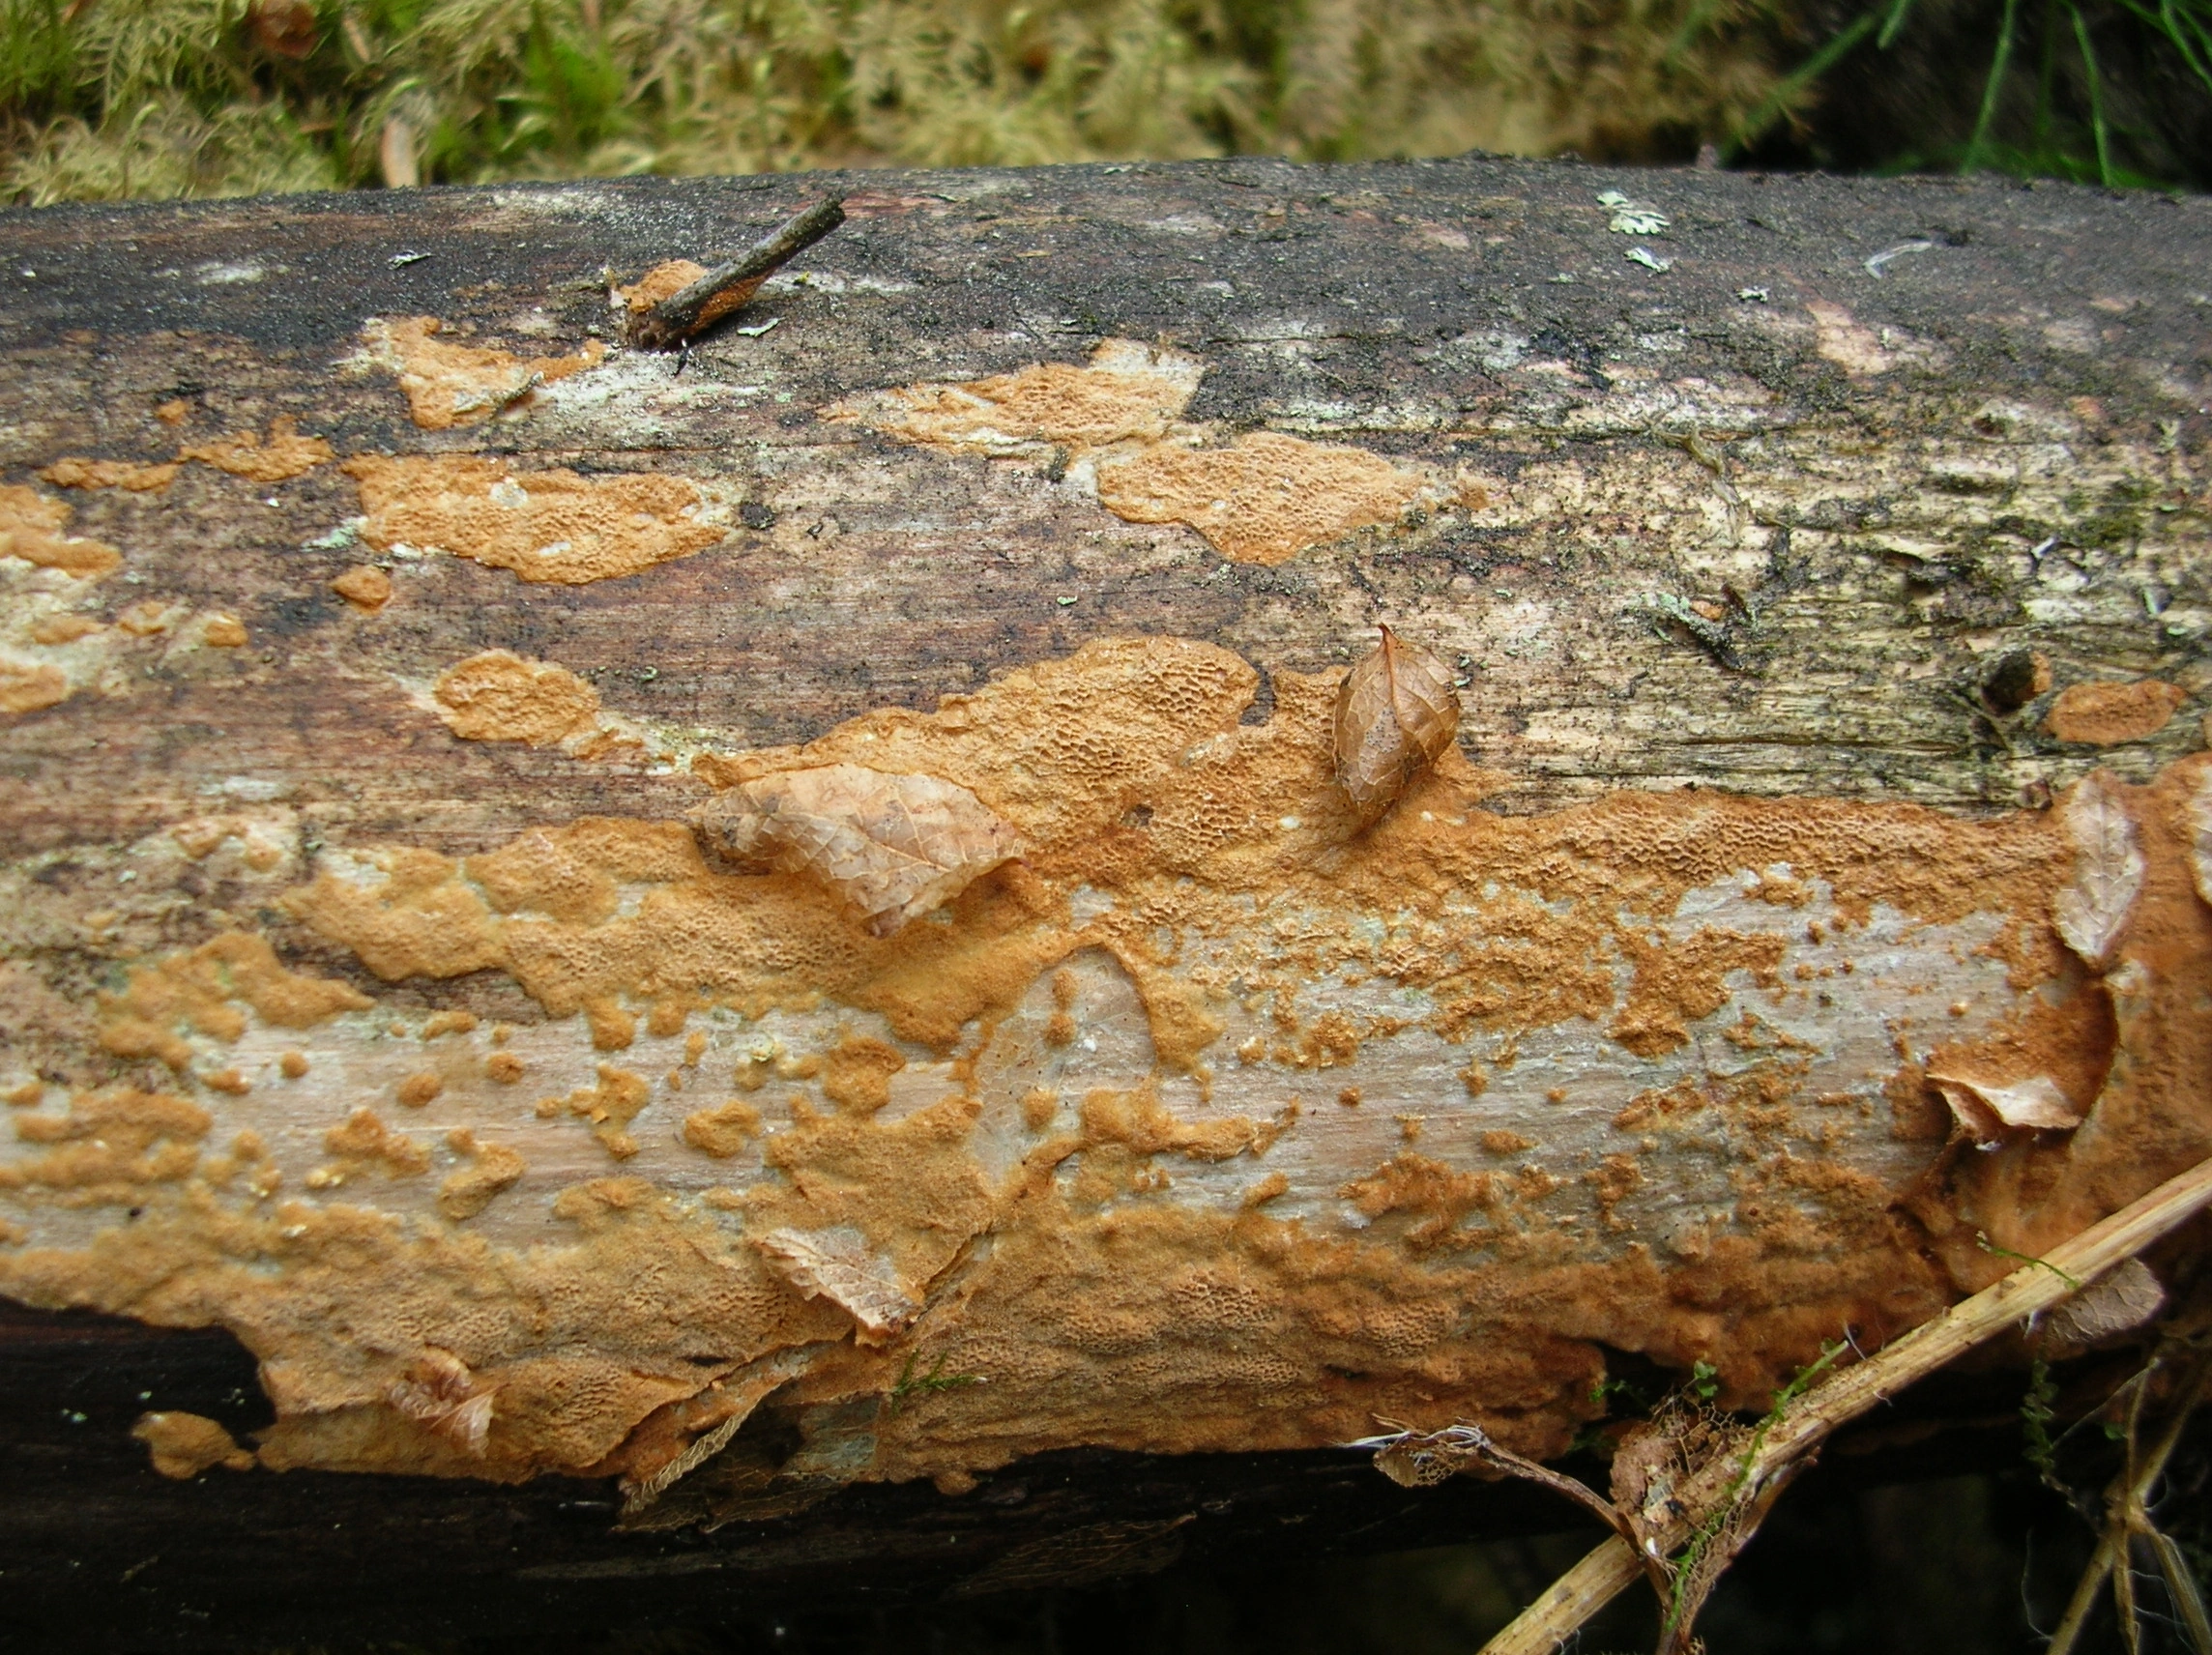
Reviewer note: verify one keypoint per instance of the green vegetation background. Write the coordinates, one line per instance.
(111, 98)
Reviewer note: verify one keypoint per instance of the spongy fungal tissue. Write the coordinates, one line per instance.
(1197, 1114)
(1259, 498)
(550, 526)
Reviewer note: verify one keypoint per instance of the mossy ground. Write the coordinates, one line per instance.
(118, 99)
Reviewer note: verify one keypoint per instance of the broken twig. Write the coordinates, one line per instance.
(726, 287)
(1729, 1480)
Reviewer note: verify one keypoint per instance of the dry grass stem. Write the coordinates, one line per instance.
(2128, 1519)
(1735, 1482)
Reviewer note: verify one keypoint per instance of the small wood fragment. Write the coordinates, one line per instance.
(1986, 1108)
(838, 1265)
(441, 1392)
(729, 285)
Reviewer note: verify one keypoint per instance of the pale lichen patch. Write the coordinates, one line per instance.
(1860, 350)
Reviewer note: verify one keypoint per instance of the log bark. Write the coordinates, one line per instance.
(1042, 1054)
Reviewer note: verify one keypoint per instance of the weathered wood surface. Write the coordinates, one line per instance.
(1788, 590)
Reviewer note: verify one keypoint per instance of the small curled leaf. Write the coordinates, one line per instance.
(838, 1265)
(1395, 714)
(894, 846)
(1985, 1108)
(441, 1392)
(2091, 911)
(2118, 1301)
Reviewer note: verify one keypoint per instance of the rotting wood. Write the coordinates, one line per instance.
(1636, 1024)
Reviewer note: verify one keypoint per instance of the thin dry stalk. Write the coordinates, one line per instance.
(1730, 1480)
(2126, 1504)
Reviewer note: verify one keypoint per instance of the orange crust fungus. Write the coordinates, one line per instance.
(550, 526)
(183, 1445)
(501, 697)
(1064, 1135)
(2104, 714)
(1261, 498)
(31, 526)
(449, 385)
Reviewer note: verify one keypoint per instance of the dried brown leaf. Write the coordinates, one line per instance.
(1985, 1108)
(2091, 911)
(442, 1393)
(894, 846)
(2119, 1301)
(1396, 713)
(838, 1265)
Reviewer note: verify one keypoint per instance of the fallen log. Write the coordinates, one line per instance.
(767, 920)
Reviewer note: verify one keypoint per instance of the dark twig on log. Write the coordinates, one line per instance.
(728, 285)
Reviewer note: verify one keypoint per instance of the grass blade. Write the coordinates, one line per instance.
(1992, 88)
(2181, 1586)
(1701, 14)
(2096, 111)
(1811, 70)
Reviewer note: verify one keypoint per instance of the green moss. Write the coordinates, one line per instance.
(163, 98)
(106, 99)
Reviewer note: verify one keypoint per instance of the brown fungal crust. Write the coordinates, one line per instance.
(551, 526)
(485, 1100)
(2104, 714)
(1711, 1029)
